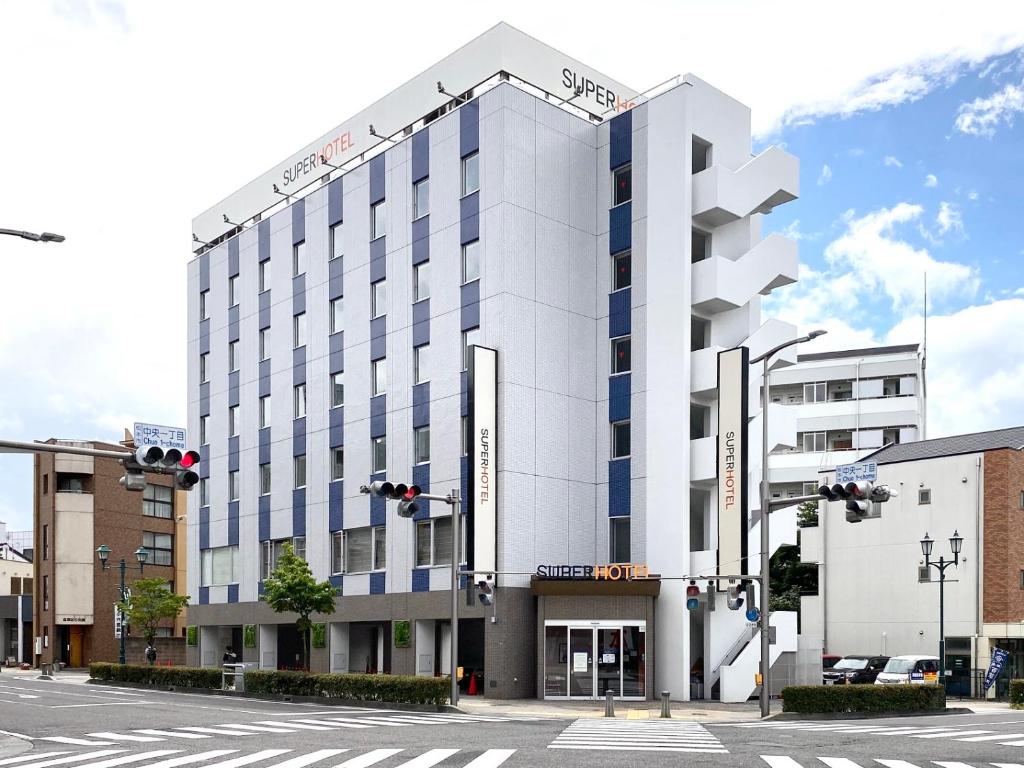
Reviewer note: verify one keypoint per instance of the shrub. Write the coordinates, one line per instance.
(388, 688)
(1017, 694)
(181, 677)
(815, 699)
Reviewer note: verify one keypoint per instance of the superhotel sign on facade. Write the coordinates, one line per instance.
(733, 367)
(483, 424)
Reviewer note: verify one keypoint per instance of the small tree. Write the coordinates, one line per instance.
(291, 588)
(152, 601)
(807, 514)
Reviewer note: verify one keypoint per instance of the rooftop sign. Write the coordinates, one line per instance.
(500, 49)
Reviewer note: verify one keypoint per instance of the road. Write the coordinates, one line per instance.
(69, 724)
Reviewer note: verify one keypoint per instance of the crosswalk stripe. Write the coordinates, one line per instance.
(258, 728)
(895, 763)
(946, 734)
(780, 761)
(74, 758)
(388, 722)
(218, 731)
(175, 734)
(199, 757)
(27, 758)
(370, 758)
(313, 757)
(944, 764)
(76, 742)
(636, 748)
(125, 759)
(492, 758)
(336, 722)
(121, 737)
(237, 762)
(1008, 765)
(293, 725)
(1011, 744)
(839, 762)
(429, 758)
(994, 737)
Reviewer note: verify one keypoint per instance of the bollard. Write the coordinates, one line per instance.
(664, 704)
(609, 705)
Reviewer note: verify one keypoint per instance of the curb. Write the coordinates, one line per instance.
(868, 715)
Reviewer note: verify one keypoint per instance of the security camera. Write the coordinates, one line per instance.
(440, 88)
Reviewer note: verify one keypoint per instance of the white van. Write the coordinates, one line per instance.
(904, 670)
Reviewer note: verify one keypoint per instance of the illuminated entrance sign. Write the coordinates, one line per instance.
(612, 572)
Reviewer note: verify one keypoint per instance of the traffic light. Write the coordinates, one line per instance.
(734, 601)
(485, 590)
(153, 458)
(861, 498)
(749, 589)
(408, 506)
(185, 475)
(386, 490)
(692, 596)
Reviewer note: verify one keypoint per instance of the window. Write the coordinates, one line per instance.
(470, 174)
(234, 486)
(622, 270)
(220, 565)
(264, 275)
(337, 314)
(264, 343)
(465, 435)
(204, 492)
(46, 592)
(203, 298)
(204, 368)
(271, 551)
(379, 448)
(233, 360)
(204, 429)
(300, 472)
(380, 376)
(338, 464)
(299, 259)
(471, 261)
(700, 421)
(700, 245)
(421, 198)
(264, 479)
(160, 546)
(379, 298)
(621, 358)
(299, 546)
(365, 550)
(469, 339)
(924, 495)
(618, 540)
(233, 421)
(46, 542)
(701, 151)
(700, 331)
(1022, 499)
(421, 445)
(420, 360)
(233, 291)
(378, 220)
(264, 411)
(622, 185)
(299, 330)
(434, 542)
(337, 553)
(337, 389)
(421, 281)
(158, 501)
(337, 244)
(299, 401)
(815, 393)
(813, 442)
(620, 439)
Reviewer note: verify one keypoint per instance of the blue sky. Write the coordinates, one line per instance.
(126, 119)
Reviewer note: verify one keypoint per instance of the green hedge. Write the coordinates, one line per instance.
(181, 677)
(390, 688)
(1017, 694)
(815, 699)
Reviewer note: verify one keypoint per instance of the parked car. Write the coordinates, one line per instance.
(828, 660)
(855, 669)
(903, 670)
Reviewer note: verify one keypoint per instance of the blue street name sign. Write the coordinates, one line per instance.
(849, 473)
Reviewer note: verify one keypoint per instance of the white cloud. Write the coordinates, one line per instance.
(982, 116)
(825, 176)
(931, 180)
(972, 195)
(1019, 292)
(949, 219)
(892, 161)
(792, 231)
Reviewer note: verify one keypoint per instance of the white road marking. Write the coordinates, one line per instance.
(105, 704)
(895, 763)
(945, 764)
(994, 737)
(427, 759)
(237, 762)
(951, 735)
(492, 758)
(336, 722)
(290, 724)
(839, 762)
(370, 758)
(76, 742)
(74, 758)
(199, 757)
(214, 731)
(125, 759)
(313, 757)
(27, 758)
(260, 728)
(780, 761)
(121, 737)
(175, 734)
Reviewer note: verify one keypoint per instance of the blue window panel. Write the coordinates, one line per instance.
(260, 588)
(265, 309)
(299, 373)
(378, 506)
(470, 315)
(469, 128)
(469, 294)
(620, 227)
(377, 179)
(26, 608)
(264, 378)
(299, 294)
(337, 582)
(298, 357)
(618, 488)
(378, 416)
(620, 137)
(378, 260)
(469, 218)
(299, 221)
(336, 506)
(337, 351)
(204, 527)
(336, 279)
(264, 445)
(464, 393)
(233, 256)
(298, 512)
(232, 593)
(263, 239)
(204, 595)
(420, 154)
(204, 461)
(421, 239)
(232, 523)
(421, 404)
(233, 454)
(618, 397)
(619, 313)
(204, 272)
(204, 398)
(264, 517)
(378, 345)
(233, 388)
(204, 336)
(377, 583)
(337, 430)
(421, 477)
(233, 324)
(421, 311)
(335, 202)
(299, 437)
(420, 579)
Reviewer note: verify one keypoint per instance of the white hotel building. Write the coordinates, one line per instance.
(607, 245)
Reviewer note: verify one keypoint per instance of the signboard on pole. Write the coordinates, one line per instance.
(731, 468)
(118, 622)
(995, 667)
(155, 434)
(482, 504)
(851, 473)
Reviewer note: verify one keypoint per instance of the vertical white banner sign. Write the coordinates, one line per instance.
(483, 447)
(733, 367)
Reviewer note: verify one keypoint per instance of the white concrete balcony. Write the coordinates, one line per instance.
(704, 370)
(866, 413)
(721, 195)
(720, 284)
(800, 467)
(702, 459)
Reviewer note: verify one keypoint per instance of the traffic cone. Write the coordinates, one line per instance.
(472, 685)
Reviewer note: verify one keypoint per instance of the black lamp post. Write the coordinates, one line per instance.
(142, 555)
(956, 542)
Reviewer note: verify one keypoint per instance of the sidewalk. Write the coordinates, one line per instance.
(706, 711)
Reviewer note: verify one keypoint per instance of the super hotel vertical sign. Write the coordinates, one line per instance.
(482, 512)
(733, 378)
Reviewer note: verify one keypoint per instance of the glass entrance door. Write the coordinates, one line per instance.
(586, 662)
(609, 661)
(581, 662)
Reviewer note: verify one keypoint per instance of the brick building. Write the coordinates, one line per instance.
(875, 593)
(80, 504)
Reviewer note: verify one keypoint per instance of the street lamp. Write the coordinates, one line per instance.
(765, 514)
(142, 555)
(43, 237)
(956, 543)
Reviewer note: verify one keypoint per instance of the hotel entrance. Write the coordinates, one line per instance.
(588, 661)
